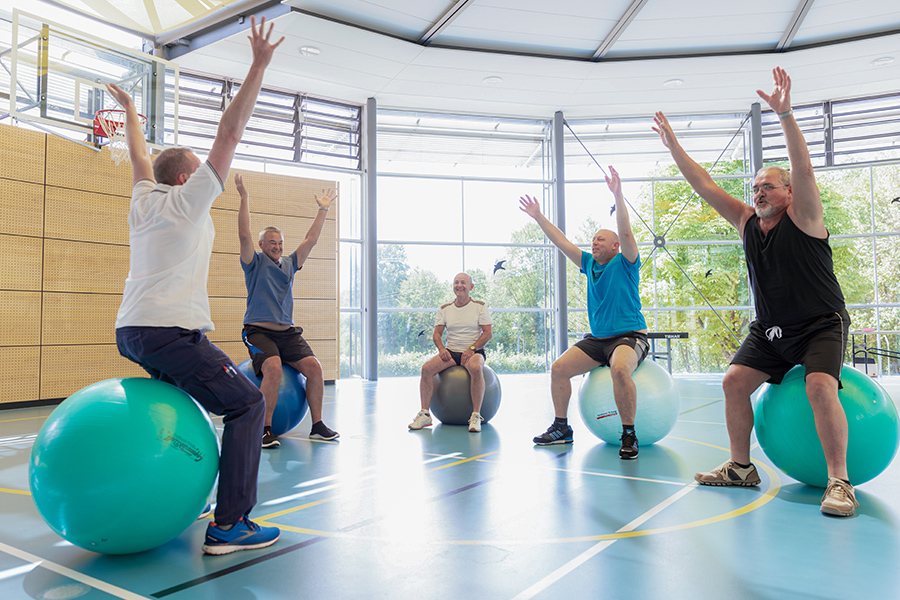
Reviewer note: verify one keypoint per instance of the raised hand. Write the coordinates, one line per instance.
(119, 95)
(664, 130)
(614, 182)
(780, 99)
(239, 183)
(328, 196)
(530, 206)
(259, 42)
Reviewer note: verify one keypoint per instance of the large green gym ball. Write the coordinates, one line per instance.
(787, 432)
(124, 465)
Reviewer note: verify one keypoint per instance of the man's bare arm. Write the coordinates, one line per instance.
(141, 165)
(312, 236)
(248, 251)
(530, 206)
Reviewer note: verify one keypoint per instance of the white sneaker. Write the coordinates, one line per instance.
(423, 419)
(475, 422)
(839, 499)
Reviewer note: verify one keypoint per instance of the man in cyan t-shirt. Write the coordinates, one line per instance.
(269, 331)
(618, 337)
(468, 325)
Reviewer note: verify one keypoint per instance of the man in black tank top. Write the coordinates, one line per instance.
(800, 311)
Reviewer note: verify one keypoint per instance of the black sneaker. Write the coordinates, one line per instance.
(555, 435)
(269, 440)
(320, 431)
(629, 447)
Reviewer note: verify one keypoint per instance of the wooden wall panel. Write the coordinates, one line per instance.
(64, 259)
(21, 208)
(80, 318)
(86, 216)
(75, 167)
(318, 318)
(22, 154)
(226, 278)
(20, 318)
(326, 352)
(67, 369)
(20, 373)
(317, 279)
(228, 317)
(84, 267)
(20, 263)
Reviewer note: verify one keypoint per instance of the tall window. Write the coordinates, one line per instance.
(448, 191)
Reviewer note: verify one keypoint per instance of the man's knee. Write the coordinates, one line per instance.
(271, 368)
(311, 368)
(821, 387)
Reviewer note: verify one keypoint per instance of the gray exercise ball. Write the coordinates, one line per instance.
(451, 401)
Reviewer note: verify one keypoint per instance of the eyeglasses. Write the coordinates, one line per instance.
(766, 187)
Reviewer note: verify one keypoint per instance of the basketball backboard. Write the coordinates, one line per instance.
(58, 79)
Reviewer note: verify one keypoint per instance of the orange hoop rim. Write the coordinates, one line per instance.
(114, 118)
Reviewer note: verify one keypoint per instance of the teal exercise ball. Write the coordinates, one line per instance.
(292, 405)
(658, 403)
(787, 432)
(124, 465)
(451, 401)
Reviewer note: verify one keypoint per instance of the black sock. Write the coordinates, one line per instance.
(561, 421)
(747, 466)
(627, 428)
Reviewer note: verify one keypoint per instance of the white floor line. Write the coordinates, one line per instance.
(599, 547)
(103, 586)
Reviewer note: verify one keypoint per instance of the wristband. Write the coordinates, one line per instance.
(786, 114)
(325, 208)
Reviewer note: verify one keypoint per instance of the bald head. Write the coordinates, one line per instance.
(605, 246)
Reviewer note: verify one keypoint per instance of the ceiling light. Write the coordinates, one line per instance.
(882, 62)
(309, 51)
(492, 80)
(673, 83)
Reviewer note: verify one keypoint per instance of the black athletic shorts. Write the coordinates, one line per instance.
(265, 343)
(600, 349)
(818, 345)
(457, 356)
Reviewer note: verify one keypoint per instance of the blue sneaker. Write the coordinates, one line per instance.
(554, 435)
(245, 535)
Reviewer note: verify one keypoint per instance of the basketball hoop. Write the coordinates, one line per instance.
(110, 123)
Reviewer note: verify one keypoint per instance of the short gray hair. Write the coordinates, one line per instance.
(269, 229)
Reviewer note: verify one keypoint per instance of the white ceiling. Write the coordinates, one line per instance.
(546, 53)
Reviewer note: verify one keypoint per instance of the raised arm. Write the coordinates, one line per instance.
(312, 236)
(235, 117)
(733, 210)
(248, 250)
(806, 205)
(141, 165)
(531, 207)
(627, 244)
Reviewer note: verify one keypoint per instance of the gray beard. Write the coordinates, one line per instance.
(766, 213)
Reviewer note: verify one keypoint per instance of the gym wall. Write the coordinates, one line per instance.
(64, 259)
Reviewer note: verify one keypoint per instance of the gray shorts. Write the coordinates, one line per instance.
(600, 349)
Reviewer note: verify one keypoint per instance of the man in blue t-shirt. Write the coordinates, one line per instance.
(269, 331)
(618, 337)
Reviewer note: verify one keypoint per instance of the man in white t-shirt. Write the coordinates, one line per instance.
(164, 316)
(468, 325)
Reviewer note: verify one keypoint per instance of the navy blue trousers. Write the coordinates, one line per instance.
(187, 359)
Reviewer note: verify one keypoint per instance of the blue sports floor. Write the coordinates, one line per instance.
(445, 514)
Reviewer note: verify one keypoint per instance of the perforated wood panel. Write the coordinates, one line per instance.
(226, 278)
(20, 370)
(84, 267)
(228, 317)
(73, 166)
(318, 318)
(20, 318)
(80, 318)
(225, 222)
(275, 194)
(86, 216)
(67, 369)
(20, 263)
(317, 279)
(21, 207)
(326, 352)
(22, 154)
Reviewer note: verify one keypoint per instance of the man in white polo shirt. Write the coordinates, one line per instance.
(164, 316)
(468, 325)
